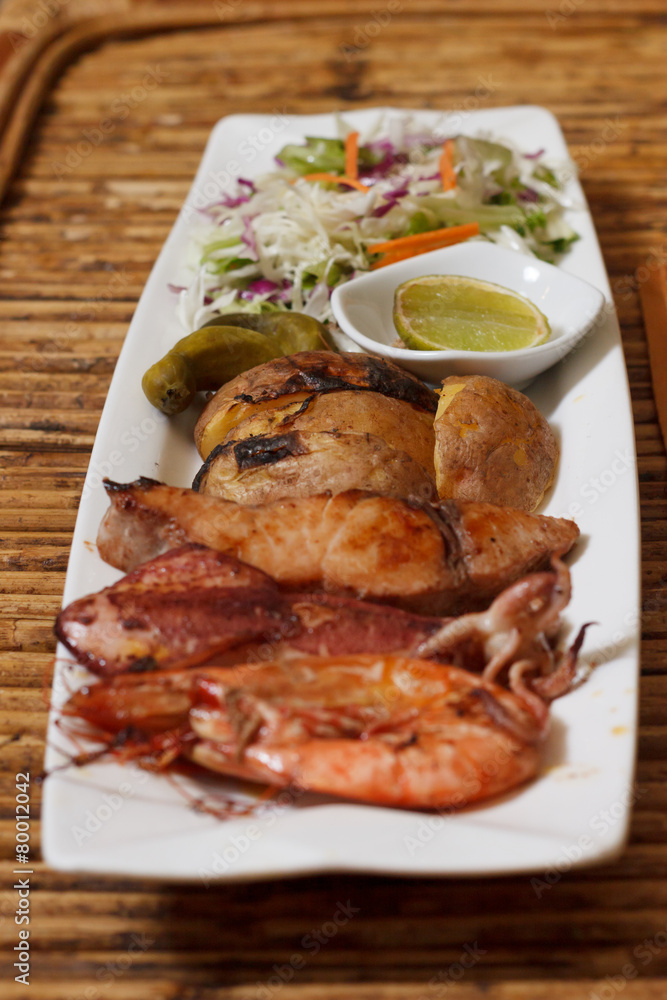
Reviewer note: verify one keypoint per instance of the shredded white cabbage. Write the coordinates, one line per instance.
(284, 242)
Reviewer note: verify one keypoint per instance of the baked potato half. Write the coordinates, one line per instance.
(302, 463)
(492, 444)
(295, 378)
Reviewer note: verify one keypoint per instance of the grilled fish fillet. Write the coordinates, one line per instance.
(436, 558)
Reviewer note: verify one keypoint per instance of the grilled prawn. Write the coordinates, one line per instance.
(389, 730)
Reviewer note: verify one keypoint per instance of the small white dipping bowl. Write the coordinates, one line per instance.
(363, 308)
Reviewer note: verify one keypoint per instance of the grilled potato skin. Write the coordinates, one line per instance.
(296, 378)
(399, 423)
(260, 470)
(492, 444)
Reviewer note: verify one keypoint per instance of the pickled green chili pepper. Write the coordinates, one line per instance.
(224, 348)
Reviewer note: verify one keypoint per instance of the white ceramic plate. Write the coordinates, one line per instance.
(114, 820)
(364, 310)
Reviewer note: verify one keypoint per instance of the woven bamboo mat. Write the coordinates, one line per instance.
(79, 236)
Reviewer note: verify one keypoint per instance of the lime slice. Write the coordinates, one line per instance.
(445, 312)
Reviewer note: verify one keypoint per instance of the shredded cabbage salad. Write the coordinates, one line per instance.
(281, 241)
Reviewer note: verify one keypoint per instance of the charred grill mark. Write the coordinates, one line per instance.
(143, 665)
(200, 478)
(142, 483)
(410, 741)
(84, 618)
(444, 516)
(133, 623)
(289, 417)
(254, 452)
(323, 372)
(257, 451)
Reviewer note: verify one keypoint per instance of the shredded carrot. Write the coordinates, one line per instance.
(352, 156)
(446, 166)
(406, 252)
(390, 258)
(334, 179)
(393, 258)
(449, 234)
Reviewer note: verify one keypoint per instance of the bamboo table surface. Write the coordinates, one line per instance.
(81, 228)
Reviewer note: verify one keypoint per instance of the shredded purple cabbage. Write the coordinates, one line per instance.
(382, 169)
(391, 198)
(380, 146)
(262, 285)
(390, 159)
(228, 202)
(248, 237)
(382, 210)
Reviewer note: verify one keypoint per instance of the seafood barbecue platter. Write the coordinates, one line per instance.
(320, 614)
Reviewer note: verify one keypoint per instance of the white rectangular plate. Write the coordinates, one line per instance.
(120, 820)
